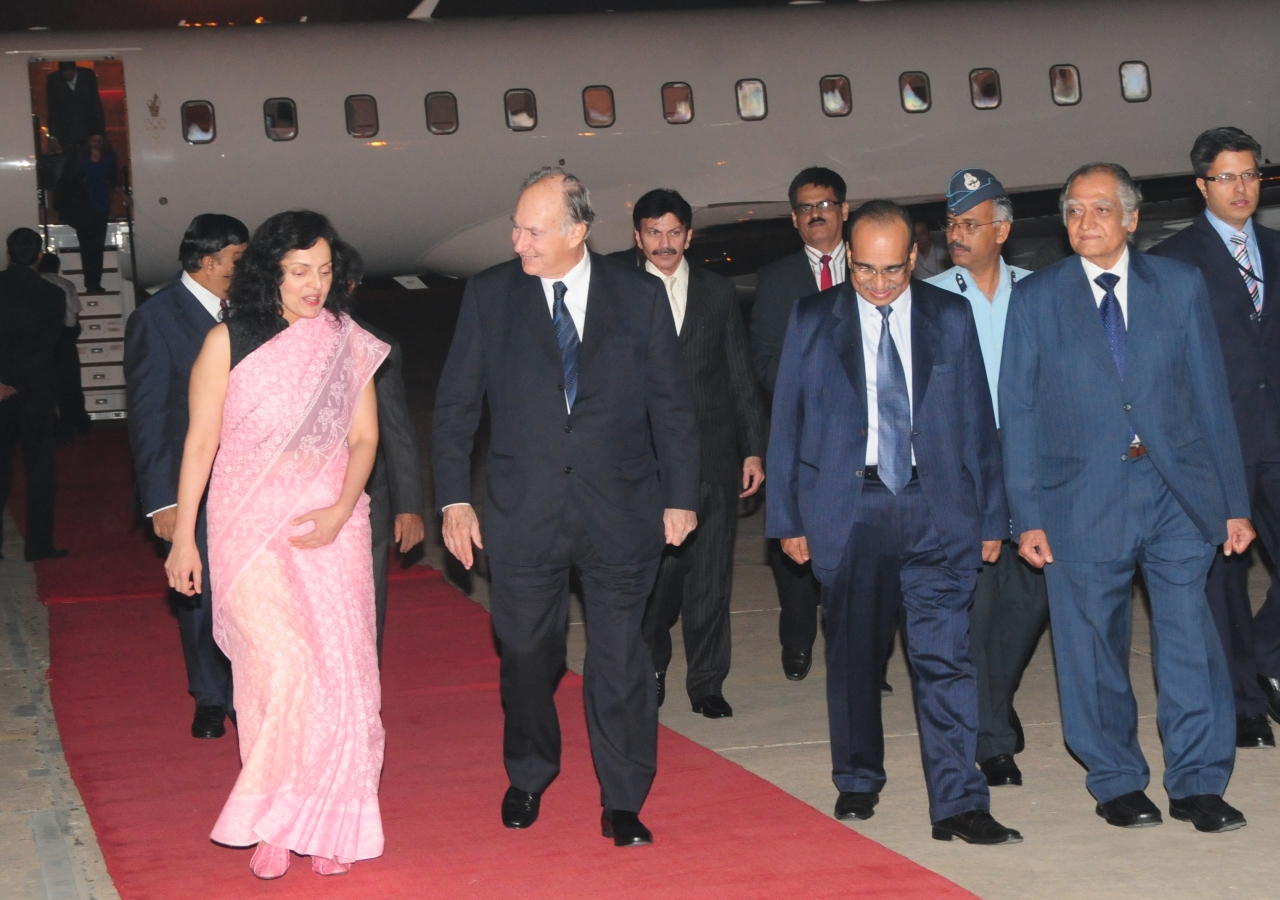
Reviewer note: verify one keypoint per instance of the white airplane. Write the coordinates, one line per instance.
(413, 136)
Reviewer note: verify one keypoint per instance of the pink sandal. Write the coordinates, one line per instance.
(269, 861)
(322, 866)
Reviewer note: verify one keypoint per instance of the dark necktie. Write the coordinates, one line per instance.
(567, 337)
(1113, 319)
(894, 406)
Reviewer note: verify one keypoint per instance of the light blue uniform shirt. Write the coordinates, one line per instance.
(1226, 232)
(988, 315)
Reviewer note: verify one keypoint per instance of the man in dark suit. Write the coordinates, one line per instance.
(31, 315)
(886, 477)
(1235, 254)
(75, 107)
(162, 340)
(819, 212)
(695, 579)
(1120, 451)
(588, 403)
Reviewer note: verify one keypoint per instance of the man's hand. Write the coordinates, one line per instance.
(752, 475)
(1033, 546)
(1240, 534)
(410, 531)
(678, 523)
(797, 548)
(991, 551)
(164, 522)
(462, 529)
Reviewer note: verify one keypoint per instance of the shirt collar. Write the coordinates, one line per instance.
(1120, 269)
(576, 279)
(901, 305)
(208, 299)
(1226, 232)
(681, 273)
(816, 255)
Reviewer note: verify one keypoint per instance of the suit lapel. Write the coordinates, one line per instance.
(193, 312)
(846, 335)
(532, 303)
(1143, 308)
(925, 333)
(601, 306)
(1076, 299)
(694, 307)
(1214, 251)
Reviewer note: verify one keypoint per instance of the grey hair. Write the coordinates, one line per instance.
(1003, 208)
(577, 199)
(1127, 188)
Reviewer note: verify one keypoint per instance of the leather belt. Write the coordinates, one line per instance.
(1136, 450)
(873, 474)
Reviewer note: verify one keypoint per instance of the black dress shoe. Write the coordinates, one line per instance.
(1131, 810)
(796, 663)
(1271, 687)
(1020, 739)
(1208, 812)
(625, 828)
(1254, 732)
(661, 678)
(520, 808)
(975, 827)
(713, 707)
(50, 553)
(1001, 770)
(886, 689)
(208, 722)
(856, 804)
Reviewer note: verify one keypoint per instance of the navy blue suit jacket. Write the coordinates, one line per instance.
(1250, 343)
(818, 445)
(161, 343)
(628, 450)
(1067, 417)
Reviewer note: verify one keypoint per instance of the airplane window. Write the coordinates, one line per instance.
(280, 116)
(752, 103)
(597, 106)
(837, 96)
(677, 102)
(197, 122)
(522, 110)
(362, 116)
(442, 113)
(984, 87)
(915, 92)
(1065, 82)
(1135, 82)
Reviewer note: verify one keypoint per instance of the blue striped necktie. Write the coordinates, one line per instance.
(893, 403)
(567, 337)
(1241, 240)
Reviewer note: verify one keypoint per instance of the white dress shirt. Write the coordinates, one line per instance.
(1120, 270)
(208, 299)
(900, 328)
(677, 288)
(837, 264)
(577, 282)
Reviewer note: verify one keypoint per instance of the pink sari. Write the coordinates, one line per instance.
(297, 625)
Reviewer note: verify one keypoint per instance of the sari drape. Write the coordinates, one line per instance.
(297, 624)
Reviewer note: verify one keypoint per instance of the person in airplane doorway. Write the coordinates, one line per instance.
(74, 106)
(886, 477)
(695, 579)
(819, 213)
(1010, 602)
(31, 316)
(1235, 254)
(1120, 451)
(161, 342)
(588, 398)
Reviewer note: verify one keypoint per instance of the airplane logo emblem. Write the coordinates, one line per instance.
(153, 105)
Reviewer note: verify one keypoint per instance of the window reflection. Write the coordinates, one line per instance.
(837, 95)
(362, 116)
(280, 118)
(752, 104)
(1065, 83)
(597, 106)
(197, 122)
(677, 102)
(1135, 82)
(984, 88)
(916, 97)
(522, 110)
(442, 113)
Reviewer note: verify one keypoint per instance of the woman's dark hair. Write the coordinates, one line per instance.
(254, 299)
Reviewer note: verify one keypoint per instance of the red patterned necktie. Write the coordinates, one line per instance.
(825, 280)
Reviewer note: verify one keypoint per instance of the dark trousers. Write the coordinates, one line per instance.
(71, 412)
(530, 609)
(894, 562)
(1092, 609)
(91, 235)
(1252, 643)
(799, 596)
(30, 419)
(694, 582)
(1010, 608)
(208, 669)
(382, 525)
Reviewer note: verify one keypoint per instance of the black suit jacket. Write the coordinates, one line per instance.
(74, 115)
(627, 451)
(161, 343)
(1250, 343)
(778, 286)
(713, 341)
(29, 336)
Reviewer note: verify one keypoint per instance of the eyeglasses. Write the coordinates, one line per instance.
(1250, 177)
(966, 227)
(822, 206)
(893, 273)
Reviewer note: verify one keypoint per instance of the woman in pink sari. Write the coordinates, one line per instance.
(282, 393)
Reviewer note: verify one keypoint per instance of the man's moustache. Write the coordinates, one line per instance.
(956, 245)
(817, 220)
(664, 252)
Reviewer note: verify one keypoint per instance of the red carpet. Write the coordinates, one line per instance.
(153, 793)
